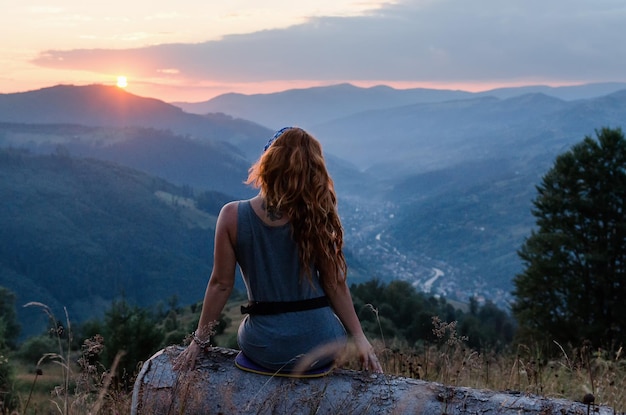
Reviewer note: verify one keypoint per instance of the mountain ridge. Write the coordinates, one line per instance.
(109, 106)
(443, 186)
(279, 109)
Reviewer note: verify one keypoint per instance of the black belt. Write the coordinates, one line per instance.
(277, 307)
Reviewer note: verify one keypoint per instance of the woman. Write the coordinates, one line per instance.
(288, 243)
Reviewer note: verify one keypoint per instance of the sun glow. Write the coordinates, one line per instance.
(122, 82)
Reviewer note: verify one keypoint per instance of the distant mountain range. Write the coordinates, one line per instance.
(435, 187)
(311, 106)
(425, 137)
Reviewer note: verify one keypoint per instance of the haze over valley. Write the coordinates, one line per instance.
(434, 186)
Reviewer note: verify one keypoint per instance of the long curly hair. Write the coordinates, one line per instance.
(293, 180)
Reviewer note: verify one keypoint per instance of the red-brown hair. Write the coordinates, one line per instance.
(293, 180)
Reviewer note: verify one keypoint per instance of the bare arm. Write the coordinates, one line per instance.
(341, 301)
(220, 284)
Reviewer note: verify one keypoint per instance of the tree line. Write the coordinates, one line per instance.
(395, 312)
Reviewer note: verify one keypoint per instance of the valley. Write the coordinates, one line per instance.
(434, 187)
(378, 256)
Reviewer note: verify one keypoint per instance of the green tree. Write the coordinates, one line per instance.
(573, 285)
(486, 326)
(33, 348)
(9, 330)
(9, 326)
(132, 330)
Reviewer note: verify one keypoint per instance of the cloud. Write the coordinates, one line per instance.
(417, 41)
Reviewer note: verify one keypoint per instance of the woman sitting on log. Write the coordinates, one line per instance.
(288, 243)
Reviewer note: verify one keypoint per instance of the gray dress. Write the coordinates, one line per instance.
(268, 259)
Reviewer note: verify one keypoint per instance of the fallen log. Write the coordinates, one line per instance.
(216, 386)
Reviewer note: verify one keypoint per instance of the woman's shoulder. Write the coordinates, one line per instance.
(230, 209)
(231, 205)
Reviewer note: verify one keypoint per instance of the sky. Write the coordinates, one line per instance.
(193, 50)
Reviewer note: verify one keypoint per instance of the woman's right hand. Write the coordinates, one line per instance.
(187, 359)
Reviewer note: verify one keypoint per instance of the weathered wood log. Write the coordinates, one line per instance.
(216, 386)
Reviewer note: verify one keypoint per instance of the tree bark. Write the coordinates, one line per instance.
(216, 386)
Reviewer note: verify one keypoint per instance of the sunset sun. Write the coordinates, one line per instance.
(122, 82)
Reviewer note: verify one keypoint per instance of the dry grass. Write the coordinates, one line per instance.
(42, 390)
(568, 377)
(55, 386)
(67, 382)
(573, 375)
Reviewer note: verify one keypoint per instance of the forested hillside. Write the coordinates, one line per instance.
(202, 164)
(77, 233)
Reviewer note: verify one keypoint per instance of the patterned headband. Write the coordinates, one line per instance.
(275, 136)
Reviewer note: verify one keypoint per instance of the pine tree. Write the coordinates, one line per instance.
(573, 286)
(9, 325)
(131, 330)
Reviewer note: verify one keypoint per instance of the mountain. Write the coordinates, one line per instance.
(93, 105)
(211, 151)
(110, 106)
(78, 227)
(566, 93)
(460, 177)
(436, 191)
(106, 122)
(78, 233)
(425, 137)
(311, 106)
(470, 218)
(205, 165)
